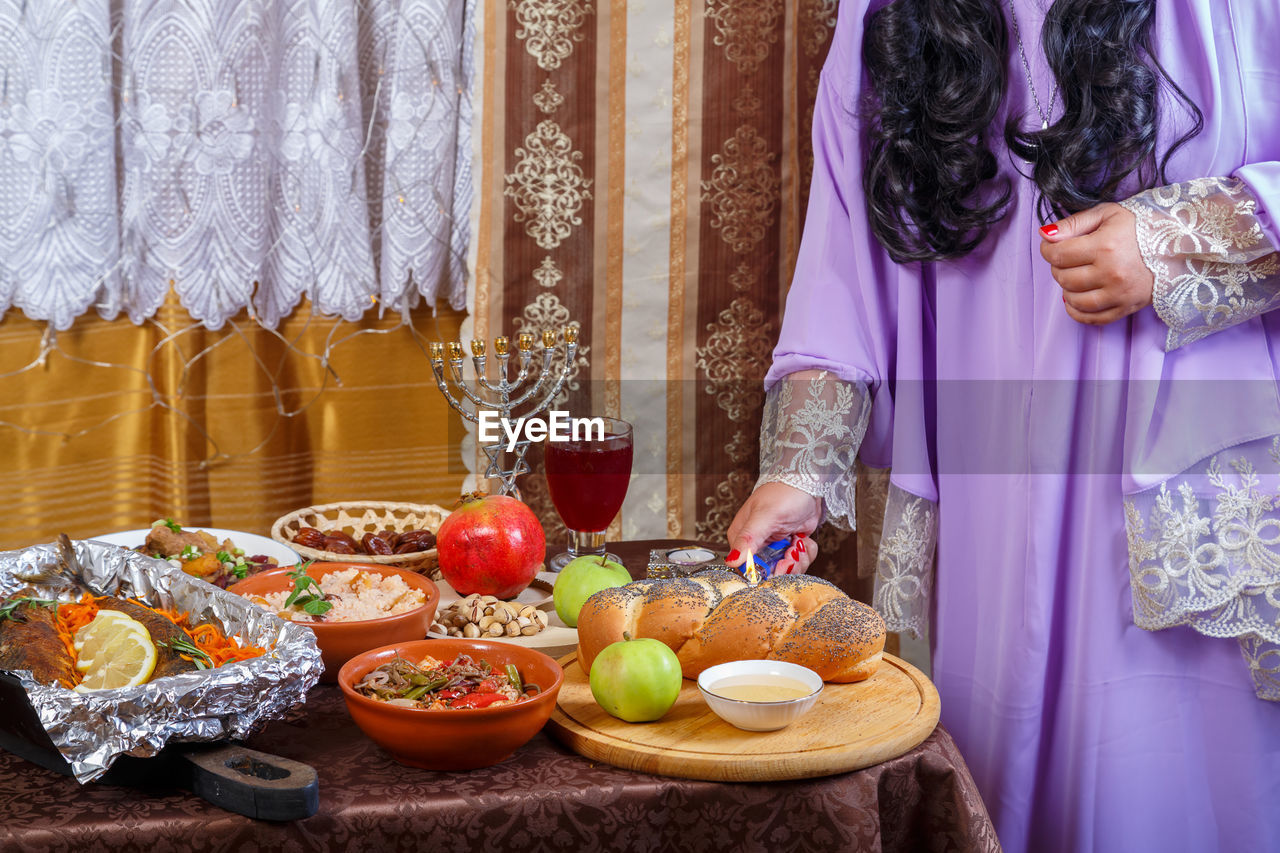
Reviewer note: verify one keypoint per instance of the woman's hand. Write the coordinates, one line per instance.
(1094, 257)
(776, 511)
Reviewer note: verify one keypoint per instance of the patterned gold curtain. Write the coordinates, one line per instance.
(643, 172)
(108, 426)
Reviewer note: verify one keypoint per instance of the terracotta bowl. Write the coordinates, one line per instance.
(341, 641)
(453, 740)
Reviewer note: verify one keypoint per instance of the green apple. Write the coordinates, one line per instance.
(636, 680)
(582, 578)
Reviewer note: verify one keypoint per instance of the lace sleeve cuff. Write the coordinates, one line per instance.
(1213, 264)
(904, 565)
(809, 438)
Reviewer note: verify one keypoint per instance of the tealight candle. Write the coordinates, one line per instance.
(690, 556)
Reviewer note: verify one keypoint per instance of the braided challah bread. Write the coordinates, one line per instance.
(715, 616)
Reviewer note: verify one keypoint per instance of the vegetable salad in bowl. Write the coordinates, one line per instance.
(446, 685)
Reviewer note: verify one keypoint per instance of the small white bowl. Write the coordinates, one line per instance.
(754, 716)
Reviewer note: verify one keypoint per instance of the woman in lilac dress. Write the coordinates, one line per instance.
(1081, 418)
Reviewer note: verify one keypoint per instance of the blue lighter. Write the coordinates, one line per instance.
(765, 560)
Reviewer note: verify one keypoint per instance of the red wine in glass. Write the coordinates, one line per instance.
(588, 479)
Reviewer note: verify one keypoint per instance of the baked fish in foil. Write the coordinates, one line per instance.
(179, 703)
(163, 632)
(29, 639)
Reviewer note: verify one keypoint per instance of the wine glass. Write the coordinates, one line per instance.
(588, 478)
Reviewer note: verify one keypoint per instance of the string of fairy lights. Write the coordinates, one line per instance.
(289, 400)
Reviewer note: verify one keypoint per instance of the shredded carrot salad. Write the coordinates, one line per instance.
(69, 619)
(220, 648)
(73, 617)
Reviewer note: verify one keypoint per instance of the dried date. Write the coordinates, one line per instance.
(376, 544)
(340, 544)
(347, 538)
(309, 537)
(383, 543)
(422, 540)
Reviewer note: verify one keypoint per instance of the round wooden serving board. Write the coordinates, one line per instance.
(852, 726)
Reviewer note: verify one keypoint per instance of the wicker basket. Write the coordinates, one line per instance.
(358, 518)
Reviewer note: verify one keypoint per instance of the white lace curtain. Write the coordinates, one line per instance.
(250, 152)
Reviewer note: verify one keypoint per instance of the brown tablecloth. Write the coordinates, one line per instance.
(544, 797)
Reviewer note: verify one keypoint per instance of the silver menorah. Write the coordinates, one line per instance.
(505, 396)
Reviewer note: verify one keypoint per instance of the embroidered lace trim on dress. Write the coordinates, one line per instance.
(904, 565)
(812, 428)
(1204, 551)
(1213, 264)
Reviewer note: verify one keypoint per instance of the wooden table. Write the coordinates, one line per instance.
(542, 798)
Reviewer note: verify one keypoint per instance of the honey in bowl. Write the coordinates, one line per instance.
(759, 695)
(760, 688)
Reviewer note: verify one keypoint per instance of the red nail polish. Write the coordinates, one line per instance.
(800, 547)
(1049, 230)
(795, 553)
(732, 555)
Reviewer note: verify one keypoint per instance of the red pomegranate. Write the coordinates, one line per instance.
(490, 544)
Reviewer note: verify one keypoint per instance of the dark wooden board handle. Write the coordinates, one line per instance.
(252, 783)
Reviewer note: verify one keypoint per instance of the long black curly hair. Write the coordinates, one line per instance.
(937, 75)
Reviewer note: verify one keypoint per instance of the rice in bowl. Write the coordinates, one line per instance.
(355, 595)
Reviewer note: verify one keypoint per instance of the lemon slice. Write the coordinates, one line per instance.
(105, 627)
(95, 641)
(127, 663)
(104, 644)
(119, 653)
(97, 627)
